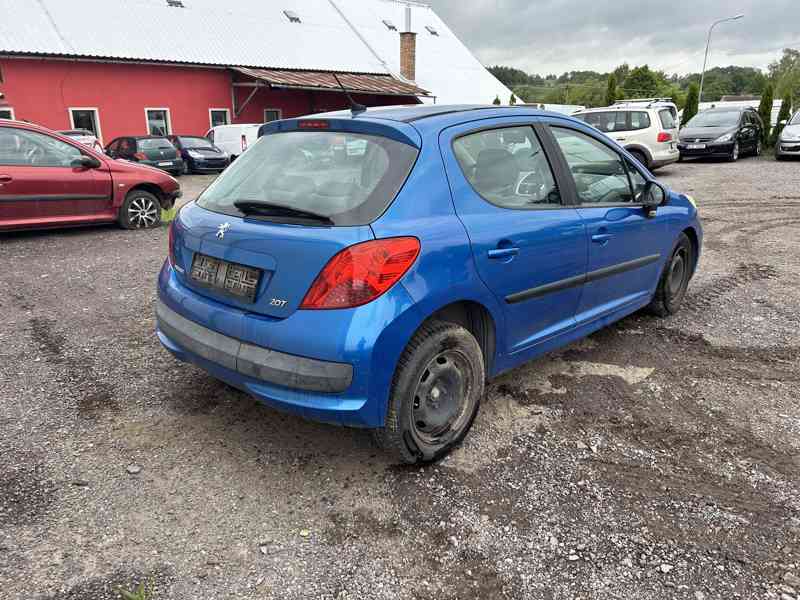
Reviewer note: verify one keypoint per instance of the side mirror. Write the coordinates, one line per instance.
(85, 162)
(653, 196)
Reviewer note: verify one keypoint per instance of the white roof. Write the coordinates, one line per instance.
(334, 35)
(445, 66)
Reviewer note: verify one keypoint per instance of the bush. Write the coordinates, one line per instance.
(784, 115)
(692, 103)
(611, 91)
(496, 101)
(765, 111)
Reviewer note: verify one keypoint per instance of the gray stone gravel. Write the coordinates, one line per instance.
(656, 459)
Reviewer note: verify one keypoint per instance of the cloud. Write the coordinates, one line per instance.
(554, 36)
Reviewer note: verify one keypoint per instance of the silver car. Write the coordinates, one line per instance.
(789, 143)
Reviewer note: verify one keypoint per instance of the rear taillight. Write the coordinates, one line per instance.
(361, 273)
(140, 156)
(664, 137)
(244, 143)
(171, 237)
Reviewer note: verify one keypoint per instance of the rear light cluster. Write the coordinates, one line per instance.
(664, 137)
(244, 142)
(359, 274)
(172, 259)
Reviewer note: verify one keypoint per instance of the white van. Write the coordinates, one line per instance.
(234, 139)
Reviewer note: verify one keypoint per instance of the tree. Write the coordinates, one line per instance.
(513, 100)
(641, 82)
(692, 102)
(611, 91)
(765, 111)
(785, 74)
(783, 115)
(496, 101)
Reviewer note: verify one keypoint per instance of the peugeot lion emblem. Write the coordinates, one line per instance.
(222, 230)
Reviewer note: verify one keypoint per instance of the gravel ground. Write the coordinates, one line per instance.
(655, 459)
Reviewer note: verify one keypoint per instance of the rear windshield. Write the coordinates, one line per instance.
(717, 118)
(196, 142)
(616, 120)
(153, 144)
(349, 178)
(667, 119)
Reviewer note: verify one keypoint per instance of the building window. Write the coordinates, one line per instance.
(272, 114)
(6, 112)
(85, 118)
(219, 116)
(158, 121)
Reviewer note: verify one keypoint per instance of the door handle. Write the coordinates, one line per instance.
(6, 179)
(503, 253)
(601, 238)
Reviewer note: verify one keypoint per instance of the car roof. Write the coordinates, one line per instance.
(416, 112)
(729, 109)
(620, 108)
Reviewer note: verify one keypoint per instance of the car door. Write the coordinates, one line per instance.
(627, 247)
(529, 247)
(40, 185)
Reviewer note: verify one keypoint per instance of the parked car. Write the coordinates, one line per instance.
(649, 133)
(667, 103)
(383, 290)
(723, 132)
(199, 154)
(233, 139)
(85, 137)
(788, 145)
(50, 180)
(151, 150)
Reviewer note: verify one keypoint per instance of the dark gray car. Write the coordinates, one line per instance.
(154, 151)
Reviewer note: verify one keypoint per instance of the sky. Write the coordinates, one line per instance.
(555, 36)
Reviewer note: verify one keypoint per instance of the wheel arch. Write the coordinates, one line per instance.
(642, 149)
(695, 240)
(475, 318)
(151, 188)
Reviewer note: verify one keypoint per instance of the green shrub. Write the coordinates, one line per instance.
(692, 103)
(765, 111)
(611, 90)
(784, 115)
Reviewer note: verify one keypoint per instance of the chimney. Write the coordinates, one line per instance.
(408, 49)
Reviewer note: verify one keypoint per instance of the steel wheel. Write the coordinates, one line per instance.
(677, 276)
(441, 401)
(143, 212)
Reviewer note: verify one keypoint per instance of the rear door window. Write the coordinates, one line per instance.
(349, 178)
(507, 167)
(667, 120)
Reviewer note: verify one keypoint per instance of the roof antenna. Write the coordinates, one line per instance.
(355, 107)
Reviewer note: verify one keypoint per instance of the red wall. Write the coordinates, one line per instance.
(42, 90)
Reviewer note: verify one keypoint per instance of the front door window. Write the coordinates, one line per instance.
(158, 121)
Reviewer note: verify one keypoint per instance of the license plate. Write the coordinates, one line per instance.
(696, 146)
(166, 163)
(227, 277)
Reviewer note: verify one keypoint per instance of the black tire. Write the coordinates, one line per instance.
(186, 170)
(674, 280)
(141, 210)
(435, 395)
(640, 156)
(758, 149)
(734, 155)
(681, 158)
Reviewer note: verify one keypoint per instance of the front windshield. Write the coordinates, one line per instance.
(349, 178)
(795, 119)
(192, 143)
(727, 118)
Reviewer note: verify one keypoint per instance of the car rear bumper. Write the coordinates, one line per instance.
(175, 165)
(332, 366)
(665, 157)
(268, 366)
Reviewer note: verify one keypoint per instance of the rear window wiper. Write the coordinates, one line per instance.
(250, 207)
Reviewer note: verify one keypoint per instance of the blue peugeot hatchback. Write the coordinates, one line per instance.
(374, 269)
